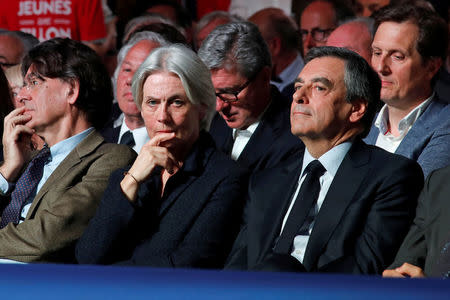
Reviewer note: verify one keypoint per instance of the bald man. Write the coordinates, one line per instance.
(355, 35)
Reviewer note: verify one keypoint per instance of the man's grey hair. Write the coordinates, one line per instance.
(193, 73)
(138, 37)
(237, 45)
(361, 81)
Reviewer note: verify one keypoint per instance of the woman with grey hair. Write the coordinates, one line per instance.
(180, 203)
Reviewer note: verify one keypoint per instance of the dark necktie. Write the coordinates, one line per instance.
(24, 187)
(303, 208)
(127, 139)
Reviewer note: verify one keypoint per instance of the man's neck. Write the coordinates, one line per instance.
(63, 130)
(319, 146)
(396, 114)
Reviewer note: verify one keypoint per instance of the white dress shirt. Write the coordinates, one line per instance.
(331, 161)
(385, 139)
(241, 138)
(140, 135)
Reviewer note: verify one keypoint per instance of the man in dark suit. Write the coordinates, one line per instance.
(419, 253)
(127, 126)
(252, 124)
(48, 198)
(341, 206)
(409, 47)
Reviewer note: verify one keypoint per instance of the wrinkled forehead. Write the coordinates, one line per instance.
(327, 67)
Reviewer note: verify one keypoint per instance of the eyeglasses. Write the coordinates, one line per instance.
(232, 96)
(317, 34)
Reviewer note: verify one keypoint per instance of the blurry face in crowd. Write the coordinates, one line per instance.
(354, 36)
(11, 50)
(365, 8)
(317, 22)
(134, 58)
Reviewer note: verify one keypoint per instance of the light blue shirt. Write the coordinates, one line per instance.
(58, 153)
(331, 161)
(290, 73)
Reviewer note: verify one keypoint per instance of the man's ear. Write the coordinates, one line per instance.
(73, 91)
(359, 108)
(275, 46)
(432, 66)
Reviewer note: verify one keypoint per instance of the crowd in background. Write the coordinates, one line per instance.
(309, 137)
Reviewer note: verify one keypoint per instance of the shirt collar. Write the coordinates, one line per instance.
(64, 147)
(249, 131)
(330, 160)
(382, 119)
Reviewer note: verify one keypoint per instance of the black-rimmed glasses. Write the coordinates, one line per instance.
(232, 96)
(317, 34)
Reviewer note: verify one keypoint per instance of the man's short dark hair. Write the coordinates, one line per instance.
(70, 61)
(361, 81)
(433, 31)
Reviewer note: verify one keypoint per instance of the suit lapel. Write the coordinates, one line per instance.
(222, 134)
(341, 193)
(421, 131)
(268, 130)
(85, 147)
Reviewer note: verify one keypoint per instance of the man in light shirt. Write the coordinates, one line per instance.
(409, 47)
(252, 124)
(48, 198)
(341, 206)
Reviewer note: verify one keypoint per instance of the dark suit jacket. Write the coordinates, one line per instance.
(368, 208)
(193, 225)
(109, 132)
(431, 226)
(428, 141)
(61, 210)
(272, 141)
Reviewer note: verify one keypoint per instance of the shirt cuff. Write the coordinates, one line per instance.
(5, 187)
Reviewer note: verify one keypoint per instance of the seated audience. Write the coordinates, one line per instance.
(341, 206)
(419, 254)
(47, 198)
(409, 47)
(252, 124)
(128, 128)
(180, 203)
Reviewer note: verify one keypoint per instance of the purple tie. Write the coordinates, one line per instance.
(24, 187)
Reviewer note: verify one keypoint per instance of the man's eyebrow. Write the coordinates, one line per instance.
(323, 80)
(35, 75)
(299, 80)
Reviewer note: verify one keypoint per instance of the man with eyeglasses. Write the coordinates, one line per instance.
(252, 124)
(318, 19)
